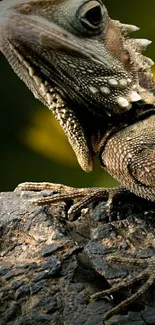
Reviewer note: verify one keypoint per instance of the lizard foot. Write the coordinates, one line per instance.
(84, 196)
(147, 275)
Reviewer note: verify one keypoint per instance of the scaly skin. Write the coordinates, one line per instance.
(81, 69)
(82, 65)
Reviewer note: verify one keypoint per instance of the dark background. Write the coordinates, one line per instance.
(32, 146)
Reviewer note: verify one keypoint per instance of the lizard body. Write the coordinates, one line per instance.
(94, 78)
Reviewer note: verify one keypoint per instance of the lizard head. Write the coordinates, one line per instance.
(74, 58)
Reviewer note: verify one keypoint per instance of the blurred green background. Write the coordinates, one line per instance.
(33, 147)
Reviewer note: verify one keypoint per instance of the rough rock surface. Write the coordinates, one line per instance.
(49, 267)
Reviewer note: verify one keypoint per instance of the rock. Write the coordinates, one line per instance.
(49, 267)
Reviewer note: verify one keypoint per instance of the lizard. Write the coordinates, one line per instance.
(98, 84)
(98, 75)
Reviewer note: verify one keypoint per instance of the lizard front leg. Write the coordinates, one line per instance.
(129, 156)
(82, 196)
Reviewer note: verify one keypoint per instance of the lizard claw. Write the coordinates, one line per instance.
(147, 276)
(82, 197)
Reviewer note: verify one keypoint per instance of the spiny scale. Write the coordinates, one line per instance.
(143, 43)
(128, 29)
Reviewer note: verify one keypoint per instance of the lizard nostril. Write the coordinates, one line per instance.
(24, 8)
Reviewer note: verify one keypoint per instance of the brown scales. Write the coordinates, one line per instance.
(99, 86)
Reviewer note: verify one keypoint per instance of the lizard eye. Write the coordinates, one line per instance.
(91, 15)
